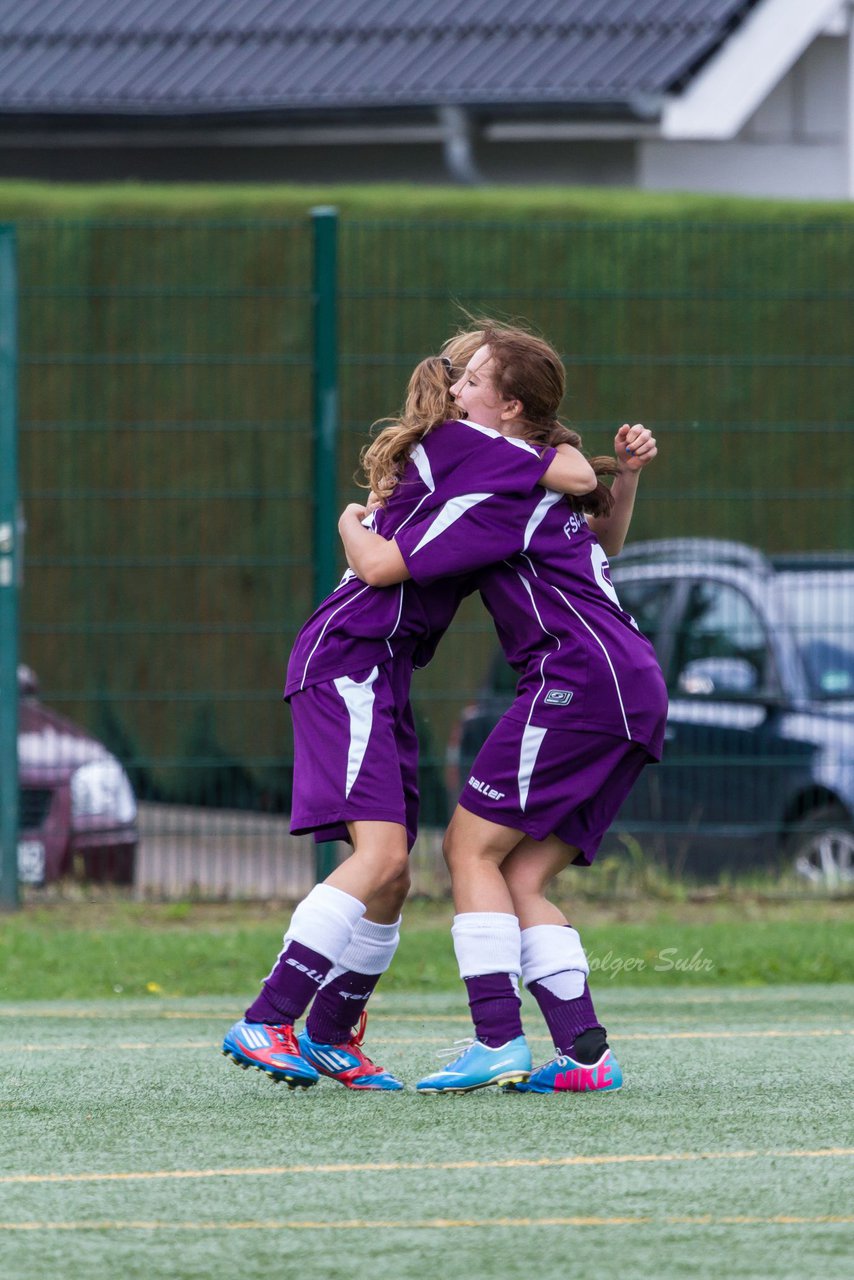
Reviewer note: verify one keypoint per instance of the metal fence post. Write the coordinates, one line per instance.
(9, 897)
(325, 325)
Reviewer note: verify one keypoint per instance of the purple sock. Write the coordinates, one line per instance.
(338, 1006)
(566, 1019)
(288, 990)
(495, 1008)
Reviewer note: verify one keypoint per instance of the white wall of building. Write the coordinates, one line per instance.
(795, 145)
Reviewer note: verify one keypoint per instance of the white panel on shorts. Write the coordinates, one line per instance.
(532, 738)
(359, 700)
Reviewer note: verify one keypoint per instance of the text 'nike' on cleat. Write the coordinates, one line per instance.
(478, 1065)
(564, 1075)
(273, 1050)
(347, 1063)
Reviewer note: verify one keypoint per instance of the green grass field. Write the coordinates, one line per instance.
(130, 1147)
(113, 948)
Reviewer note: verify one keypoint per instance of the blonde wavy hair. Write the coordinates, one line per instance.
(428, 402)
(525, 368)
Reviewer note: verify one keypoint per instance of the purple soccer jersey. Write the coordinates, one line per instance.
(456, 466)
(582, 662)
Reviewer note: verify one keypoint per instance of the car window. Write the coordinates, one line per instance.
(721, 646)
(819, 606)
(647, 603)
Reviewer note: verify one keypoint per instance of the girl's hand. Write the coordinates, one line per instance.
(634, 446)
(353, 511)
(372, 503)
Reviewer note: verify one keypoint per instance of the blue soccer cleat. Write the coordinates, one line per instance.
(273, 1050)
(478, 1065)
(347, 1063)
(564, 1075)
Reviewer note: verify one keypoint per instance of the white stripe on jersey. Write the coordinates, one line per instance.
(452, 511)
(556, 639)
(593, 634)
(532, 738)
(490, 431)
(539, 514)
(522, 444)
(396, 622)
(607, 659)
(359, 700)
(422, 463)
(323, 630)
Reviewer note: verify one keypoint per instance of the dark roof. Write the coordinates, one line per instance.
(175, 57)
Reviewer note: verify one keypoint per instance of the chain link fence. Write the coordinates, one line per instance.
(193, 398)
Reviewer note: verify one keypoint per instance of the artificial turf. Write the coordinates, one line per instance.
(130, 1147)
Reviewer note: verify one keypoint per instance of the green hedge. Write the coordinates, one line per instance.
(166, 415)
(21, 199)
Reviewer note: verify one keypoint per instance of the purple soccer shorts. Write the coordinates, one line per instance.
(355, 753)
(553, 782)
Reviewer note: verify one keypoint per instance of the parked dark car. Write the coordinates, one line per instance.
(77, 809)
(758, 654)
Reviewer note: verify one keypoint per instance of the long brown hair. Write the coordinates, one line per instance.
(528, 369)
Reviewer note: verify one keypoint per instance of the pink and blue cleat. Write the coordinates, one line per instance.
(273, 1050)
(347, 1063)
(564, 1075)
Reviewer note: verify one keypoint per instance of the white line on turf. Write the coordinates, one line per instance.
(435, 1224)
(544, 1162)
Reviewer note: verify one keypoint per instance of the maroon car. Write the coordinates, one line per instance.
(77, 811)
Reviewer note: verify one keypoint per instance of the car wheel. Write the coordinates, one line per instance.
(821, 847)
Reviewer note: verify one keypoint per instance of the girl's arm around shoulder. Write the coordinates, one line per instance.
(635, 447)
(372, 558)
(569, 472)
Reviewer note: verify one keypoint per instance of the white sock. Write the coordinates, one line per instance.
(370, 950)
(553, 955)
(487, 942)
(324, 921)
